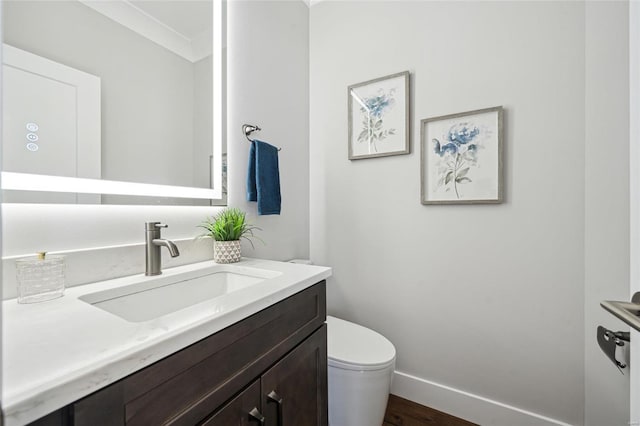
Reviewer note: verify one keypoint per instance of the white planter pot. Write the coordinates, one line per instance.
(227, 251)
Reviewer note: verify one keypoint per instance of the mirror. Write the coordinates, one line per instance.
(113, 98)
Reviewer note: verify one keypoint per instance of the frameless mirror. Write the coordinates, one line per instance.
(108, 100)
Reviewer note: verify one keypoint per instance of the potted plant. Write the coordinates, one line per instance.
(226, 229)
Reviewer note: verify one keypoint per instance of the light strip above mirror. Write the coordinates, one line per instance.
(31, 182)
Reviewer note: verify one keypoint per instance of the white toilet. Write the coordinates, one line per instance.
(361, 365)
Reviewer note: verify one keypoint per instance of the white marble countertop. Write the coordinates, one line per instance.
(59, 351)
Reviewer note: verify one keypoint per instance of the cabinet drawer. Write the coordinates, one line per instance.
(185, 387)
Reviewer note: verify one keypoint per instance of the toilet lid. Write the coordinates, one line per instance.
(354, 347)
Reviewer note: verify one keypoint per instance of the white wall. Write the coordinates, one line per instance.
(634, 195)
(268, 69)
(1, 232)
(259, 70)
(485, 299)
(606, 202)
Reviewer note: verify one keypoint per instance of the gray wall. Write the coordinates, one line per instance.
(606, 202)
(485, 299)
(1, 233)
(268, 73)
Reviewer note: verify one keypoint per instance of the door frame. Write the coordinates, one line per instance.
(634, 187)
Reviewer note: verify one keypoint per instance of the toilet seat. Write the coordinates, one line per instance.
(354, 347)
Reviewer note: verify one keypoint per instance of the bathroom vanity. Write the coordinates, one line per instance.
(254, 355)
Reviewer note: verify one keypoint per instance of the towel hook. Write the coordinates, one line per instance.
(247, 129)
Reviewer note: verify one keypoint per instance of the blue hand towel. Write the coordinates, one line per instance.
(263, 178)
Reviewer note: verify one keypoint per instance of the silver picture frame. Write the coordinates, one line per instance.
(461, 159)
(379, 119)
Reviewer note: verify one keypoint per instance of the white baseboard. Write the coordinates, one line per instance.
(474, 408)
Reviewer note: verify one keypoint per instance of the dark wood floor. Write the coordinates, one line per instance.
(402, 412)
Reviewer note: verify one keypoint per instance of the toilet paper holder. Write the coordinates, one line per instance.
(609, 341)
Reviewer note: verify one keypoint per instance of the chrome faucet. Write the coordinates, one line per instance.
(153, 259)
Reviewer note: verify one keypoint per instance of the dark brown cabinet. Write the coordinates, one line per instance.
(292, 392)
(243, 410)
(270, 368)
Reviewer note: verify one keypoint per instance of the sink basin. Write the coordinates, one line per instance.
(154, 297)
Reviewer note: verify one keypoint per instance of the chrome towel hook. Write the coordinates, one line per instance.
(247, 129)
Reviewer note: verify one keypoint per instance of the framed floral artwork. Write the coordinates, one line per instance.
(379, 117)
(461, 158)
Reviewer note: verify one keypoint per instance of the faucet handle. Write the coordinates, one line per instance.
(152, 226)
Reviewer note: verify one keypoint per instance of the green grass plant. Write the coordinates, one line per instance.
(229, 225)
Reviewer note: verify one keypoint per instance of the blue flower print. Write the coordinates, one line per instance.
(373, 111)
(447, 148)
(462, 133)
(377, 105)
(458, 155)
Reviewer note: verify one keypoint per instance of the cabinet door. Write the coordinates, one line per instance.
(243, 410)
(57, 418)
(294, 391)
